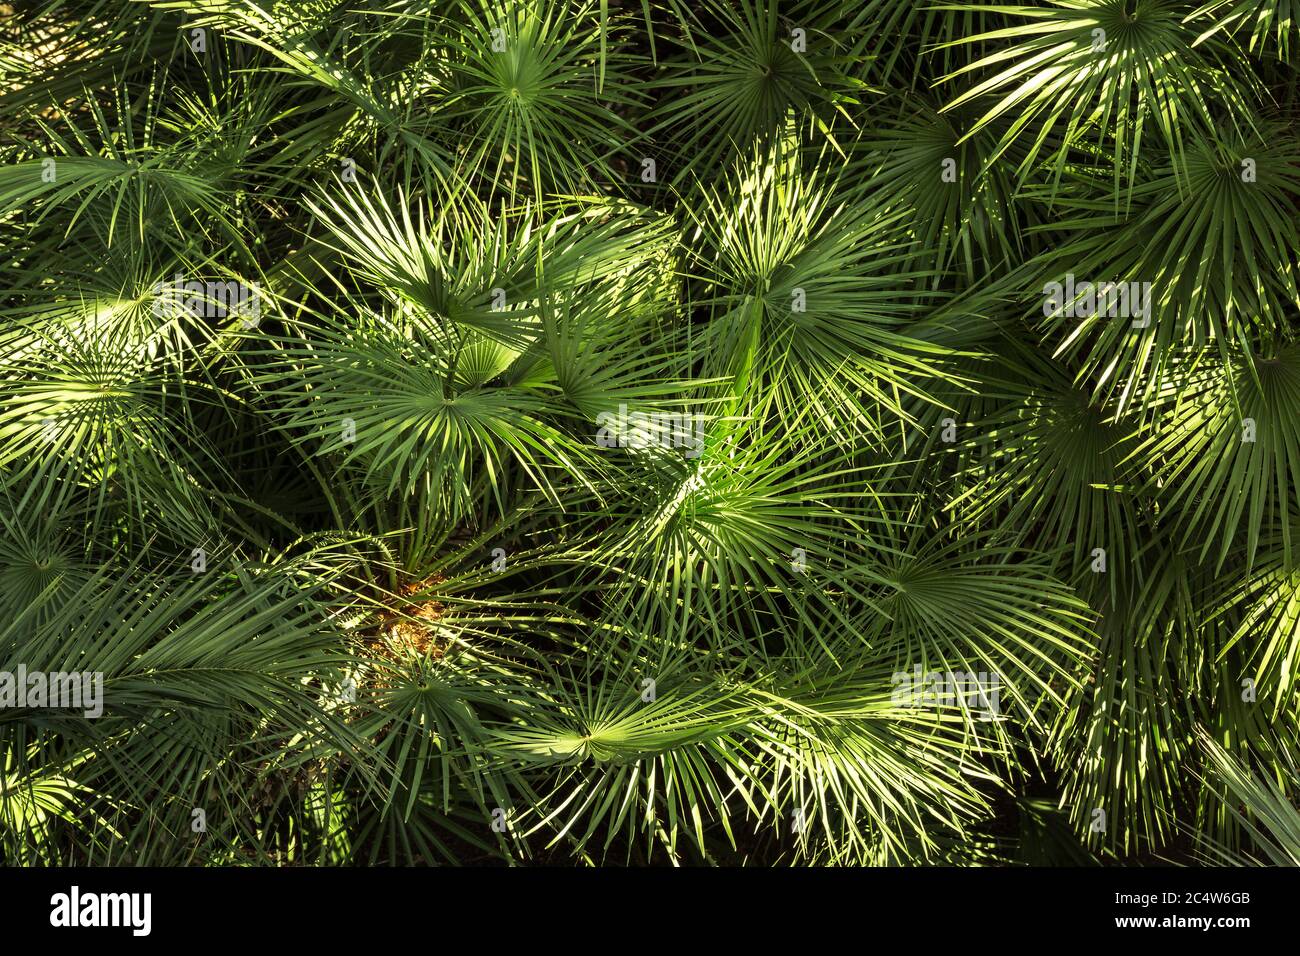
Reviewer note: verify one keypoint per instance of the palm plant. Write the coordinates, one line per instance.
(642, 409)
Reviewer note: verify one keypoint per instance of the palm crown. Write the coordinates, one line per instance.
(550, 430)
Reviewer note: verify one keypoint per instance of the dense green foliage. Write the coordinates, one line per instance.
(364, 583)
